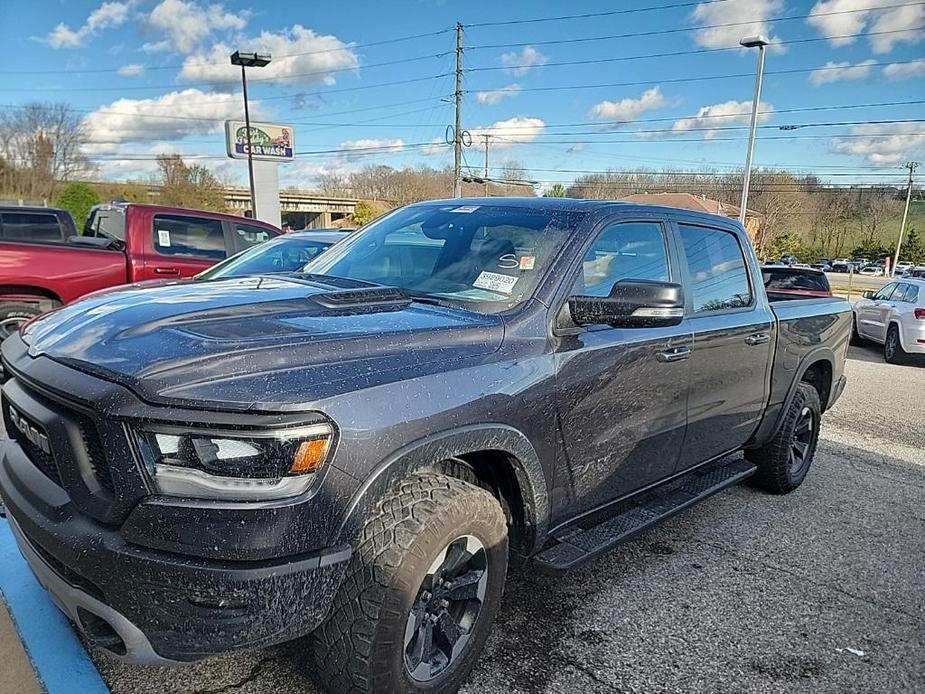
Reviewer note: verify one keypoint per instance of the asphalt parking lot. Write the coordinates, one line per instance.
(817, 591)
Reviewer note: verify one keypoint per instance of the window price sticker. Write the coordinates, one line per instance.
(495, 282)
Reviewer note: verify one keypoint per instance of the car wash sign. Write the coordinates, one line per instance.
(269, 142)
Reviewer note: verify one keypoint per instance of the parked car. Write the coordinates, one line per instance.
(360, 452)
(46, 264)
(893, 316)
(871, 270)
(788, 260)
(842, 266)
(824, 267)
(902, 268)
(783, 282)
(287, 253)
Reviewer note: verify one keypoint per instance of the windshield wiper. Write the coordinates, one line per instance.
(423, 298)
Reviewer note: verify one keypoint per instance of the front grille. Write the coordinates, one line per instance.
(93, 444)
(45, 462)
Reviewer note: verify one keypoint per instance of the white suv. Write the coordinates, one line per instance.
(895, 317)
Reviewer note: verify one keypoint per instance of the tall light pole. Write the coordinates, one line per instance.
(758, 42)
(246, 60)
(912, 166)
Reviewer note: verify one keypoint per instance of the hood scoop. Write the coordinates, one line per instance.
(361, 300)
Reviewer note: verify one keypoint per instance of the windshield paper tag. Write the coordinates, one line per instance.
(495, 282)
(163, 238)
(466, 209)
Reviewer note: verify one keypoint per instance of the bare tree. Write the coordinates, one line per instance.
(192, 186)
(41, 145)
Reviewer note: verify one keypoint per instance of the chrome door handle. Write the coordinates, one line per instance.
(166, 271)
(674, 354)
(757, 339)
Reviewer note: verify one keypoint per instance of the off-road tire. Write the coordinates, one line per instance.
(893, 351)
(14, 313)
(360, 646)
(776, 473)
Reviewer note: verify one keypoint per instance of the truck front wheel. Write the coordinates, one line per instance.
(421, 591)
(784, 460)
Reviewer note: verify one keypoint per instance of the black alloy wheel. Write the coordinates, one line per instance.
(446, 608)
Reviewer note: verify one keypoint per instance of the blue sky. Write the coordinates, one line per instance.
(560, 97)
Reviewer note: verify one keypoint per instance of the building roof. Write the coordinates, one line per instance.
(689, 201)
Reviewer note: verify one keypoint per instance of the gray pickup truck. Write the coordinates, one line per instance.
(359, 450)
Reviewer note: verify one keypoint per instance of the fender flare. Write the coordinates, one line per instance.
(426, 452)
(817, 355)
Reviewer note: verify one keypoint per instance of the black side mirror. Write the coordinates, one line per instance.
(868, 294)
(631, 304)
(93, 242)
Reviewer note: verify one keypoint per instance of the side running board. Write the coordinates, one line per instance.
(576, 545)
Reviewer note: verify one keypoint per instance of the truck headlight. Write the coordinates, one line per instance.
(233, 464)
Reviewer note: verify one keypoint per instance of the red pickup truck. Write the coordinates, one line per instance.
(44, 263)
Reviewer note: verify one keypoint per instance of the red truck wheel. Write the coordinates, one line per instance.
(13, 315)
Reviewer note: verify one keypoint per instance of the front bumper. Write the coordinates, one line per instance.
(152, 606)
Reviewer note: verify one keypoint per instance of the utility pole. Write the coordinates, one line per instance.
(457, 138)
(912, 166)
(485, 137)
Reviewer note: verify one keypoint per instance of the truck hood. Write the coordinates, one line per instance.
(256, 342)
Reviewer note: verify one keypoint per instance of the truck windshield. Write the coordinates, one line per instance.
(487, 258)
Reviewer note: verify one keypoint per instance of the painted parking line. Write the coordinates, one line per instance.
(57, 655)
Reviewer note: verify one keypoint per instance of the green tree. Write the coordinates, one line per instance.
(365, 213)
(192, 186)
(557, 191)
(77, 198)
(913, 248)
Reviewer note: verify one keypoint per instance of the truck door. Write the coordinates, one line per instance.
(731, 352)
(184, 245)
(622, 392)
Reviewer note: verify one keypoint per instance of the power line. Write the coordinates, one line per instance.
(285, 56)
(716, 139)
(662, 32)
(215, 82)
(703, 78)
(589, 15)
(696, 51)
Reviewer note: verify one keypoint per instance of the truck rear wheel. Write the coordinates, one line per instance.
(784, 461)
(13, 314)
(421, 591)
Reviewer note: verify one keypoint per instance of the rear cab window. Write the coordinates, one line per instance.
(179, 235)
(107, 223)
(717, 268)
(784, 279)
(35, 227)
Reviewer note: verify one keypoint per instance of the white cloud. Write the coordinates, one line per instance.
(109, 14)
(186, 23)
(369, 145)
(510, 132)
(312, 58)
(901, 71)
(627, 109)
(521, 63)
(726, 114)
(844, 18)
(755, 12)
(186, 112)
(131, 70)
(883, 144)
(841, 72)
(493, 96)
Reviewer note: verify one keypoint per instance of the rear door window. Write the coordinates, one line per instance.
(717, 268)
(247, 235)
(189, 236)
(30, 226)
